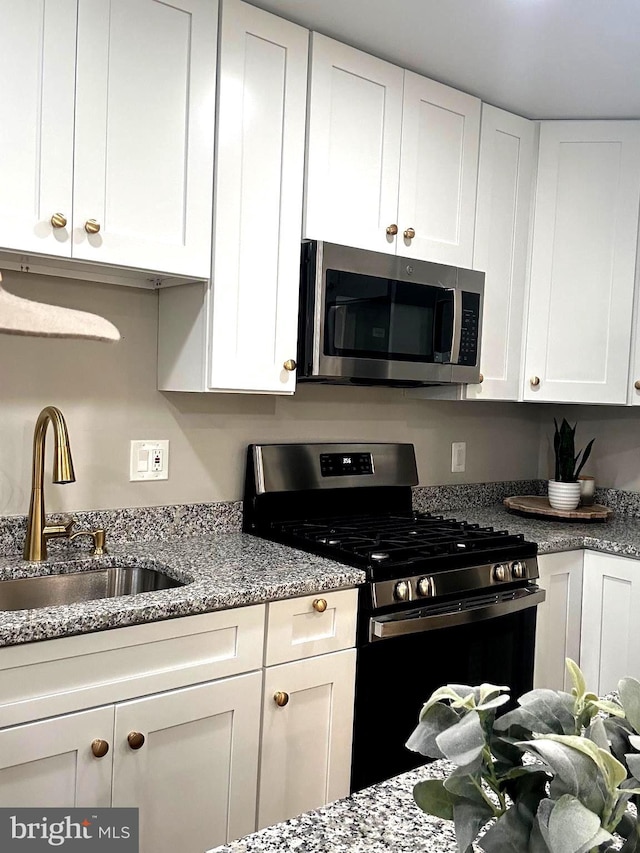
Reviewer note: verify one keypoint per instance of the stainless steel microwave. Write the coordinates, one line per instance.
(376, 319)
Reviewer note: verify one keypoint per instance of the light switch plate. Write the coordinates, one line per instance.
(149, 460)
(458, 456)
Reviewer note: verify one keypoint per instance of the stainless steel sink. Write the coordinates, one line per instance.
(51, 590)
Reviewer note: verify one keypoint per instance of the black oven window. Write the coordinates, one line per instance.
(369, 317)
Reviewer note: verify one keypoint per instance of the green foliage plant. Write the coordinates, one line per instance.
(558, 774)
(568, 466)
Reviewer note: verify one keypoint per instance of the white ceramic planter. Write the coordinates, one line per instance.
(564, 495)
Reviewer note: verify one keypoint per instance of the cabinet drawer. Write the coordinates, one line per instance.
(67, 674)
(298, 629)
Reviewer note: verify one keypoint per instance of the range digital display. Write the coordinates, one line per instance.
(345, 464)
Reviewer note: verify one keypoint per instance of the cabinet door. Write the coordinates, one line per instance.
(194, 778)
(144, 133)
(50, 763)
(583, 262)
(610, 640)
(438, 172)
(505, 188)
(37, 65)
(353, 147)
(306, 744)
(259, 179)
(558, 622)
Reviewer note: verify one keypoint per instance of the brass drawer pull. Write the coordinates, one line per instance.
(320, 605)
(91, 226)
(58, 220)
(281, 698)
(410, 233)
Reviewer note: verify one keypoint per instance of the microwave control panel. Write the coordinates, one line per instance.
(469, 334)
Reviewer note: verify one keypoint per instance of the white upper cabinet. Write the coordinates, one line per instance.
(505, 188)
(353, 147)
(583, 262)
(144, 132)
(438, 172)
(37, 65)
(240, 332)
(391, 158)
(253, 299)
(109, 129)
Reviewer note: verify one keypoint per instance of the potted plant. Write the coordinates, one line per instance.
(555, 775)
(564, 490)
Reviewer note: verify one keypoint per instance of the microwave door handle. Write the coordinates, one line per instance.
(457, 326)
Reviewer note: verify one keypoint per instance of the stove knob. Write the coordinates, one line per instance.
(500, 573)
(426, 587)
(402, 591)
(519, 569)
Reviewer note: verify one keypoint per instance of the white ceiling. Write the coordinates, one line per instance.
(539, 58)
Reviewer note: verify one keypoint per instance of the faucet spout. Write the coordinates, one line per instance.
(35, 546)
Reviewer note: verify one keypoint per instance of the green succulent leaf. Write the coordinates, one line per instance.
(629, 690)
(439, 695)
(598, 734)
(608, 707)
(432, 723)
(633, 763)
(573, 828)
(434, 799)
(542, 711)
(613, 771)
(634, 740)
(510, 833)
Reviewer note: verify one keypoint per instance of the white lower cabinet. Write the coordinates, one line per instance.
(558, 623)
(192, 776)
(610, 639)
(306, 742)
(178, 704)
(50, 762)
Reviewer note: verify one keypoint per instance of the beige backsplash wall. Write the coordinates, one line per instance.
(108, 395)
(615, 458)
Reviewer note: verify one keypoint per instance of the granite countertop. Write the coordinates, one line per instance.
(232, 569)
(620, 535)
(381, 818)
(222, 570)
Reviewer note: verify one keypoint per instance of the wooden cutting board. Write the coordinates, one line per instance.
(536, 505)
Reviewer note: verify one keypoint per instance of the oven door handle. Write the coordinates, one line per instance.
(395, 626)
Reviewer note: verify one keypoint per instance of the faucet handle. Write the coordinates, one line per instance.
(99, 537)
(60, 529)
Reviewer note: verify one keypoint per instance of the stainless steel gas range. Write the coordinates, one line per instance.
(445, 601)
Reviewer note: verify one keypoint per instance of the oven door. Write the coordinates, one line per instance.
(418, 651)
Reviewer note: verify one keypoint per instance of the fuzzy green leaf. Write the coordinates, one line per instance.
(434, 799)
(629, 690)
(573, 828)
(432, 723)
(463, 743)
(579, 683)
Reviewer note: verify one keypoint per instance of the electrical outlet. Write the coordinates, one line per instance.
(458, 456)
(149, 460)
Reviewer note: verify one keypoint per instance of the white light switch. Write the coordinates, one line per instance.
(458, 456)
(149, 460)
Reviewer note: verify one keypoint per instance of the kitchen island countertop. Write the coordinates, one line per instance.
(383, 817)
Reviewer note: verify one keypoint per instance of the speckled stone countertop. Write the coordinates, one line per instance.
(220, 571)
(620, 535)
(381, 818)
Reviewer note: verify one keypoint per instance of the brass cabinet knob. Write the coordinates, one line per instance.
(481, 378)
(320, 605)
(99, 747)
(91, 226)
(135, 740)
(281, 698)
(636, 384)
(59, 220)
(535, 381)
(290, 364)
(392, 230)
(410, 233)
